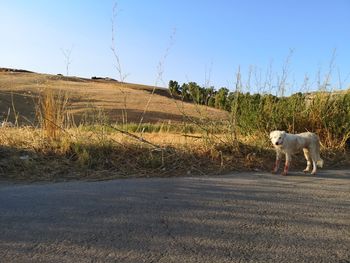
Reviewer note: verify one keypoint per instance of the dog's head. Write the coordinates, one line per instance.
(277, 137)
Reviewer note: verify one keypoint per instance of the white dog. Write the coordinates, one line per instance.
(291, 143)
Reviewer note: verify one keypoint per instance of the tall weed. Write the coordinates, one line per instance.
(52, 112)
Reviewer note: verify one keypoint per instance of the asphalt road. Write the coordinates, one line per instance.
(241, 217)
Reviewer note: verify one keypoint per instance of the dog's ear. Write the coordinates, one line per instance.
(283, 133)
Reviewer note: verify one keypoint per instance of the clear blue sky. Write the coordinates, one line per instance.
(212, 36)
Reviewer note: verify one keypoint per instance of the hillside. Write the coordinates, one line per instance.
(49, 154)
(20, 89)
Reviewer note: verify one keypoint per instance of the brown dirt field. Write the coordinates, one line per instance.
(20, 90)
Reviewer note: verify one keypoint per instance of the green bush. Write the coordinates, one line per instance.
(328, 114)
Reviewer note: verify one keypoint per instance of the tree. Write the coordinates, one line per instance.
(174, 87)
(221, 99)
(209, 96)
(195, 92)
(184, 91)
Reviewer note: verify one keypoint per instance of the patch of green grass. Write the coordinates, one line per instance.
(131, 127)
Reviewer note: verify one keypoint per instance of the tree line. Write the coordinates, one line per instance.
(191, 91)
(326, 113)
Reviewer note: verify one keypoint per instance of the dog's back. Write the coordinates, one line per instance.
(309, 138)
(314, 144)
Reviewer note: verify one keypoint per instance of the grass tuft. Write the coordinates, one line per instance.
(52, 112)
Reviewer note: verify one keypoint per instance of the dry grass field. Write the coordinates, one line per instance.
(87, 146)
(72, 128)
(19, 91)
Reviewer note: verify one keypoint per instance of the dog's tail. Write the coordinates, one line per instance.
(319, 160)
(320, 163)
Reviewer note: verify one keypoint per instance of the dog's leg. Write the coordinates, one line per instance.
(308, 159)
(314, 169)
(277, 165)
(277, 162)
(287, 164)
(319, 161)
(313, 156)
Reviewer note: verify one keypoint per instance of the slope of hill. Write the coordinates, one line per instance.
(19, 91)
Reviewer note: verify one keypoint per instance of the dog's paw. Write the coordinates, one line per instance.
(274, 171)
(284, 174)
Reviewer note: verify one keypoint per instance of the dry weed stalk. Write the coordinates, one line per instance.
(52, 112)
(67, 58)
(160, 69)
(122, 76)
(282, 80)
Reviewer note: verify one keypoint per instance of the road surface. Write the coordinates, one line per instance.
(243, 217)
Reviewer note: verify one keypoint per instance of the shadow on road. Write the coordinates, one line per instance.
(215, 219)
(326, 174)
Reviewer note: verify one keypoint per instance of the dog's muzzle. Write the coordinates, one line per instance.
(278, 143)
